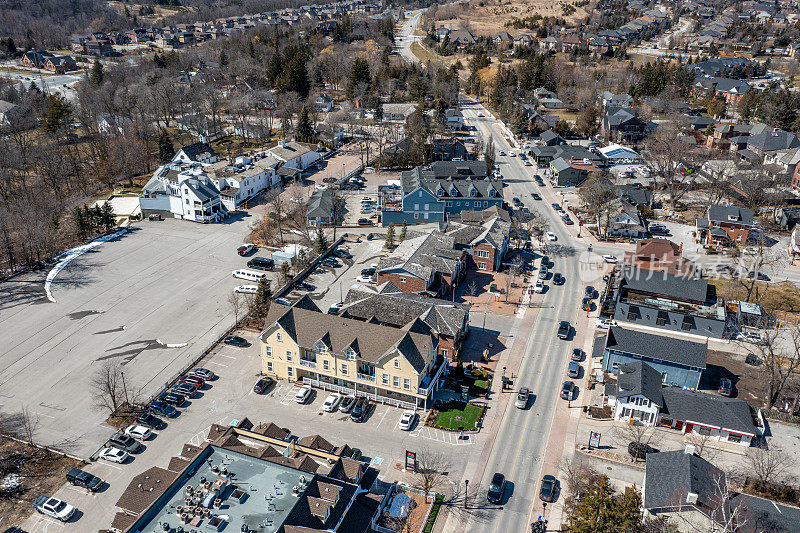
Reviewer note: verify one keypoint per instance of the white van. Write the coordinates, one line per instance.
(250, 275)
(246, 289)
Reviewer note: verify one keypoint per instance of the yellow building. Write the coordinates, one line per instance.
(399, 366)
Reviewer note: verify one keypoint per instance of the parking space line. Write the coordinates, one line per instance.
(289, 398)
(383, 417)
(227, 356)
(218, 364)
(115, 467)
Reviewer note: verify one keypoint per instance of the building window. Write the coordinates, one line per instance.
(482, 266)
(278, 337)
(269, 366)
(416, 216)
(734, 438)
(615, 365)
(626, 412)
(385, 379)
(703, 431)
(289, 371)
(344, 369)
(448, 203)
(664, 376)
(444, 352)
(288, 355)
(326, 365)
(406, 384)
(268, 351)
(396, 381)
(397, 363)
(662, 319)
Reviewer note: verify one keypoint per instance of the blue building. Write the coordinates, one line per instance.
(436, 192)
(680, 362)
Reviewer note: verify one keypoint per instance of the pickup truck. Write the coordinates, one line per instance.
(54, 508)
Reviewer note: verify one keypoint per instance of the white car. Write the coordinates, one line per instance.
(113, 455)
(479, 113)
(551, 236)
(303, 394)
(512, 154)
(610, 259)
(54, 508)
(138, 432)
(606, 323)
(364, 279)
(332, 402)
(283, 301)
(752, 338)
(246, 289)
(366, 199)
(501, 152)
(539, 287)
(407, 420)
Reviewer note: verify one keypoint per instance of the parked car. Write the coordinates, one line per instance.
(368, 271)
(360, 410)
(574, 369)
(283, 301)
(761, 276)
(610, 259)
(246, 289)
(590, 292)
(54, 508)
(522, 398)
(204, 373)
(725, 387)
(121, 441)
(558, 279)
(567, 390)
(543, 273)
(640, 450)
(113, 455)
(163, 409)
(331, 402)
(197, 381)
(184, 389)
(331, 262)
(246, 249)
(496, 488)
(303, 394)
(233, 340)
(577, 354)
(536, 196)
(547, 491)
(606, 323)
(305, 287)
(263, 384)
(407, 420)
(563, 330)
(344, 254)
(517, 202)
(335, 308)
(79, 478)
(148, 420)
(545, 260)
(539, 287)
(261, 263)
(551, 236)
(365, 222)
(138, 432)
(364, 279)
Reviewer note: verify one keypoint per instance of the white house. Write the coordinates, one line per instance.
(198, 152)
(295, 155)
(398, 112)
(455, 119)
(324, 102)
(243, 178)
(638, 394)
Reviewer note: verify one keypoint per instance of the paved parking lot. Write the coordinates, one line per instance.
(162, 284)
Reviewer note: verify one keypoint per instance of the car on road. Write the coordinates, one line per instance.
(501, 152)
(283, 301)
(606, 323)
(360, 410)
(233, 340)
(80, 478)
(148, 420)
(335, 308)
(640, 450)
(496, 488)
(163, 409)
(558, 279)
(568, 221)
(590, 293)
(184, 389)
(263, 384)
(303, 394)
(246, 249)
(121, 441)
(331, 402)
(364, 279)
(539, 287)
(564, 329)
(551, 236)
(527, 163)
(547, 490)
(567, 390)
(113, 455)
(545, 260)
(347, 403)
(54, 508)
(522, 398)
(725, 387)
(407, 420)
(512, 154)
(574, 369)
(543, 273)
(610, 259)
(761, 276)
(204, 373)
(536, 196)
(556, 206)
(577, 354)
(138, 432)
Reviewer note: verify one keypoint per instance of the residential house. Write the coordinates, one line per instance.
(616, 154)
(398, 113)
(462, 39)
(485, 234)
(388, 305)
(324, 103)
(724, 225)
(636, 395)
(322, 208)
(549, 44)
(430, 265)
(396, 365)
(42, 59)
(442, 33)
(198, 152)
(570, 43)
(636, 196)
(16, 117)
(679, 362)
(661, 255)
(729, 89)
(769, 143)
(626, 221)
(111, 124)
(524, 40)
(503, 39)
(660, 299)
(203, 127)
(454, 118)
(551, 138)
(570, 172)
(686, 488)
(295, 155)
(550, 103)
(622, 124)
(442, 189)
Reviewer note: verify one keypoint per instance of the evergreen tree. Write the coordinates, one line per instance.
(57, 113)
(79, 222)
(223, 59)
(165, 147)
(305, 128)
(297, 76)
(263, 297)
(403, 231)
(390, 244)
(360, 78)
(601, 509)
(321, 242)
(96, 75)
(107, 218)
(286, 272)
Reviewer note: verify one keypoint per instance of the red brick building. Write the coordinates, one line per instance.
(661, 255)
(725, 225)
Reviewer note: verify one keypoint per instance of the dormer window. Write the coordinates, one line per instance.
(350, 353)
(473, 192)
(453, 192)
(440, 192)
(732, 218)
(492, 192)
(320, 347)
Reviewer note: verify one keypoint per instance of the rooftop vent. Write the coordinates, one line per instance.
(691, 498)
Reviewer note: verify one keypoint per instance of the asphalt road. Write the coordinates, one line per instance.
(406, 37)
(59, 83)
(520, 444)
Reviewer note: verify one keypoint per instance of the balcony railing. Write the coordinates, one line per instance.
(309, 364)
(434, 378)
(365, 377)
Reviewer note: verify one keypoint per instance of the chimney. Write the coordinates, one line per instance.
(691, 498)
(689, 449)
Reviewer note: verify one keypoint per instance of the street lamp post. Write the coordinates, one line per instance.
(124, 389)
(466, 492)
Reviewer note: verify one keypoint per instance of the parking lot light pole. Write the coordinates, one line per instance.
(466, 492)
(124, 389)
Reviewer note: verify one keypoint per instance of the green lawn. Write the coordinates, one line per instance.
(469, 417)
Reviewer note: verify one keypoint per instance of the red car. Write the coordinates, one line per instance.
(193, 380)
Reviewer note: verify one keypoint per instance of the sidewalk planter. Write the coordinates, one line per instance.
(446, 417)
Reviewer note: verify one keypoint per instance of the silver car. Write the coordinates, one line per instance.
(522, 398)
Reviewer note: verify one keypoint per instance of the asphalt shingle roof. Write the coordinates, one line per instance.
(708, 409)
(662, 283)
(723, 213)
(639, 378)
(671, 475)
(671, 349)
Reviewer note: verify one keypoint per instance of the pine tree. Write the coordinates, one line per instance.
(305, 128)
(57, 112)
(360, 77)
(601, 509)
(263, 297)
(403, 231)
(321, 243)
(79, 221)
(390, 244)
(286, 272)
(96, 75)
(223, 59)
(165, 147)
(107, 218)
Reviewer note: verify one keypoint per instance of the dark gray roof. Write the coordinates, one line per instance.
(193, 150)
(766, 515)
(671, 475)
(463, 177)
(708, 409)
(622, 115)
(566, 151)
(670, 349)
(320, 204)
(422, 256)
(639, 378)
(773, 140)
(550, 135)
(730, 213)
(636, 195)
(663, 283)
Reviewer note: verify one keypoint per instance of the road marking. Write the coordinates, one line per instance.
(42, 414)
(377, 460)
(115, 467)
(289, 397)
(382, 418)
(218, 364)
(227, 356)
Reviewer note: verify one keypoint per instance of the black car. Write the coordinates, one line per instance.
(343, 254)
(79, 478)
(640, 450)
(163, 409)
(545, 260)
(148, 420)
(261, 263)
(368, 271)
(547, 492)
(172, 398)
(303, 286)
(263, 384)
(536, 196)
(567, 390)
(331, 262)
(233, 340)
(365, 222)
(558, 279)
(761, 276)
(590, 292)
(517, 201)
(124, 442)
(563, 330)
(360, 410)
(574, 369)
(496, 488)
(577, 354)
(556, 206)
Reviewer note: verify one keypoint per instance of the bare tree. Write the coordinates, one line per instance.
(236, 304)
(769, 465)
(764, 261)
(778, 353)
(717, 506)
(472, 288)
(106, 387)
(636, 434)
(432, 470)
(702, 446)
(599, 195)
(577, 475)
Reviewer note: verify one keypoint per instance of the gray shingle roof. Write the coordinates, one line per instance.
(193, 150)
(679, 287)
(671, 475)
(639, 378)
(708, 409)
(773, 140)
(723, 213)
(670, 349)
(424, 255)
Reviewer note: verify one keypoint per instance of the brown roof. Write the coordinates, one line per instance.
(301, 462)
(190, 451)
(316, 442)
(145, 489)
(215, 431)
(657, 248)
(178, 464)
(270, 429)
(122, 521)
(318, 507)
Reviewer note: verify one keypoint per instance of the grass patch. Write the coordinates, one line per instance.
(783, 296)
(437, 504)
(424, 55)
(458, 416)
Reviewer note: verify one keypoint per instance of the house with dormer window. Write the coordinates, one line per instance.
(725, 225)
